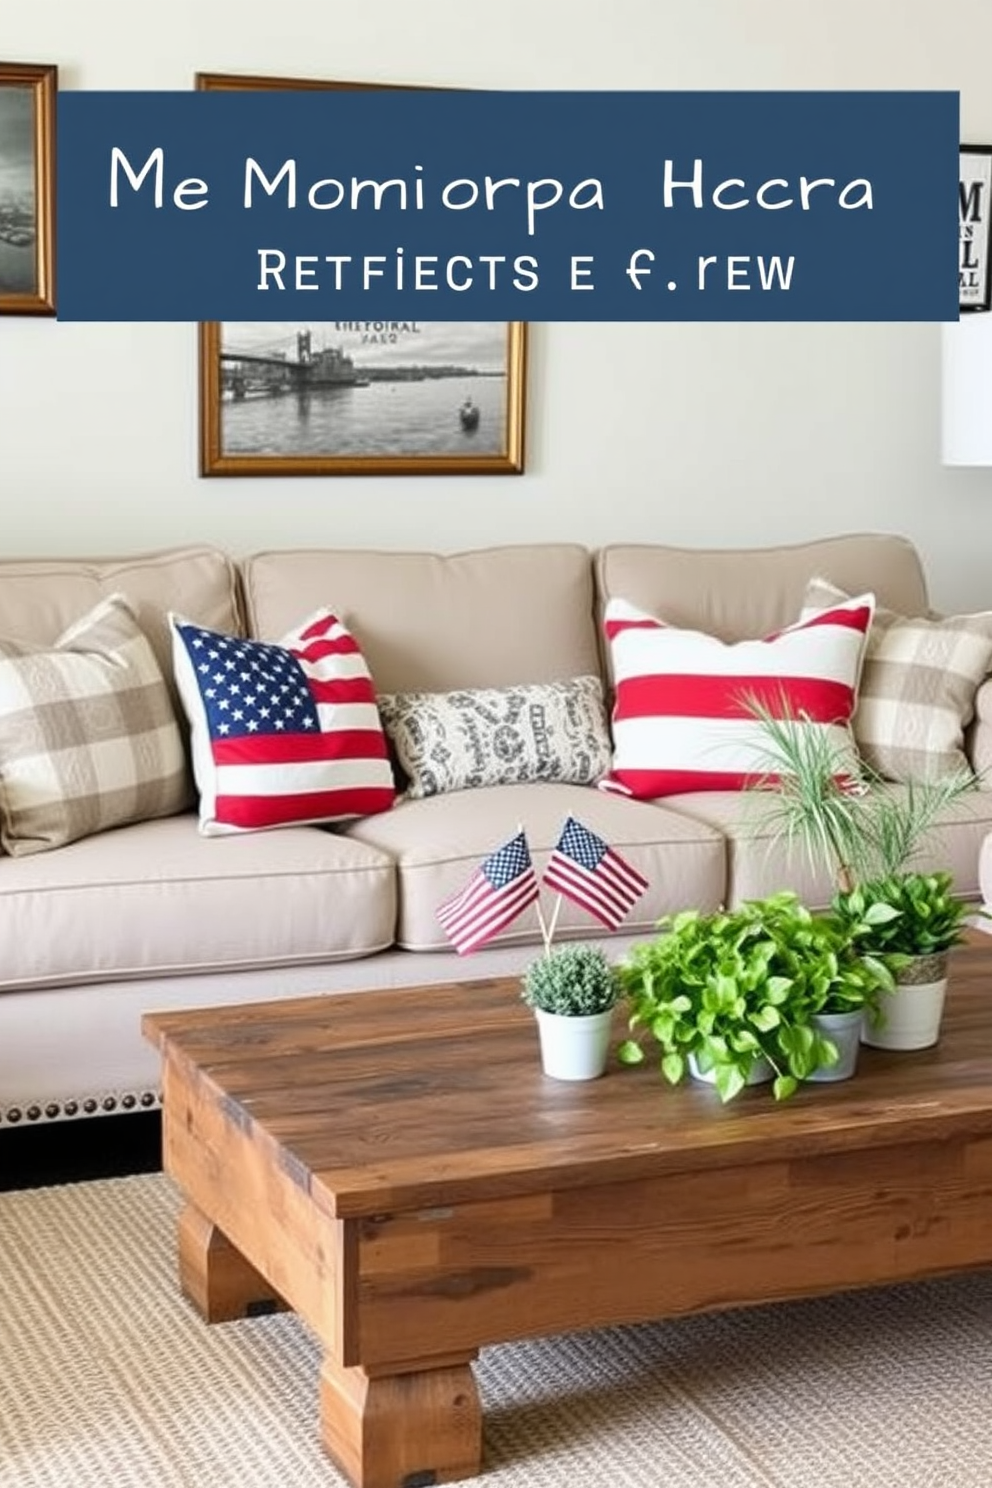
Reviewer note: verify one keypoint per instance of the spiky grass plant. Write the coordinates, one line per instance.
(808, 792)
(817, 795)
(901, 822)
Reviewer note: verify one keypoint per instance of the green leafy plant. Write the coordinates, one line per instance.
(572, 980)
(730, 987)
(907, 914)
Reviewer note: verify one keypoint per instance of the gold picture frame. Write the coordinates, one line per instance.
(27, 188)
(359, 397)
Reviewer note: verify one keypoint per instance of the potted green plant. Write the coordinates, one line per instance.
(912, 920)
(827, 802)
(734, 995)
(573, 990)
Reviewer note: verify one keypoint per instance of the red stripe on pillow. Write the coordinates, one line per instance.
(333, 645)
(854, 619)
(280, 749)
(343, 690)
(645, 785)
(820, 700)
(616, 627)
(253, 813)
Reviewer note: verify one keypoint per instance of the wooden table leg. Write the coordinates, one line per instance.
(215, 1276)
(405, 1430)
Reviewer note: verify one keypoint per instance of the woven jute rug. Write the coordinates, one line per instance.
(109, 1380)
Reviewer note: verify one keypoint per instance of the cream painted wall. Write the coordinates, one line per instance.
(705, 435)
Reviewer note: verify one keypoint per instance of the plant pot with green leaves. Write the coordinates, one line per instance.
(844, 817)
(733, 996)
(912, 921)
(573, 990)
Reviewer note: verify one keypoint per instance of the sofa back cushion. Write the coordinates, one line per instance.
(431, 622)
(740, 594)
(41, 598)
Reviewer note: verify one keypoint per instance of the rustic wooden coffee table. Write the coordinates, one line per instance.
(395, 1167)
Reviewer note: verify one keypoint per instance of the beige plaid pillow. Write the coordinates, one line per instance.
(88, 738)
(918, 686)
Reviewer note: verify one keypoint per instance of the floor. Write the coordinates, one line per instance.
(76, 1151)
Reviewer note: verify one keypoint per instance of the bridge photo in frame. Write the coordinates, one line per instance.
(359, 397)
(362, 397)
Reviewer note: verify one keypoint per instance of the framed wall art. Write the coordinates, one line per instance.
(359, 397)
(27, 188)
(974, 218)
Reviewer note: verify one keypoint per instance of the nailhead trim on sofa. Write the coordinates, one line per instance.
(105, 1105)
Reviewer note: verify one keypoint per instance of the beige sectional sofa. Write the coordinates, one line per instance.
(154, 915)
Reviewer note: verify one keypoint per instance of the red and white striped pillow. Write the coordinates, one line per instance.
(681, 720)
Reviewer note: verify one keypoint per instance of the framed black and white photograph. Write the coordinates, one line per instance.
(362, 397)
(27, 188)
(974, 217)
(359, 397)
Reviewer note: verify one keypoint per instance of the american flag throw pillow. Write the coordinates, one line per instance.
(681, 720)
(282, 735)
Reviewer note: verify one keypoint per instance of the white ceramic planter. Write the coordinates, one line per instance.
(912, 1016)
(761, 1072)
(574, 1048)
(844, 1030)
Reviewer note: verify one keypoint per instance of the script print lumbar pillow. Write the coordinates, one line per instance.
(88, 738)
(449, 741)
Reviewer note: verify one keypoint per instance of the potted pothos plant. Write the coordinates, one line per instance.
(735, 996)
(573, 990)
(843, 816)
(912, 920)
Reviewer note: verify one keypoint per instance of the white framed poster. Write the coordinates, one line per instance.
(974, 201)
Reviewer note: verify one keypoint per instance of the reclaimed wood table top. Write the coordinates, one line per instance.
(394, 1100)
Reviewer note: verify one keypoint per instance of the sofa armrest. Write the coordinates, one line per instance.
(978, 736)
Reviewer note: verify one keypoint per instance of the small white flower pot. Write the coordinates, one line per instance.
(574, 1048)
(760, 1072)
(911, 1017)
(844, 1030)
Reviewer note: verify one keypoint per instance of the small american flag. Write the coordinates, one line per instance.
(282, 733)
(592, 875)
(499, 889)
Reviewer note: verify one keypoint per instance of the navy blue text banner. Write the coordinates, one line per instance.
(507, 206)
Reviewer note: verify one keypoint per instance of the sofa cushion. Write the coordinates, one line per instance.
(282, 734)
(160, 899)
(758, 864)
(735, 593)
(683, 718)
(918, 688)
(432, 622)
(439, 842)
(499, 736)
(88, 738)
(40, 598)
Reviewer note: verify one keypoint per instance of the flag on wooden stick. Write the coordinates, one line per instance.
(584, 869)
(499, 890)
